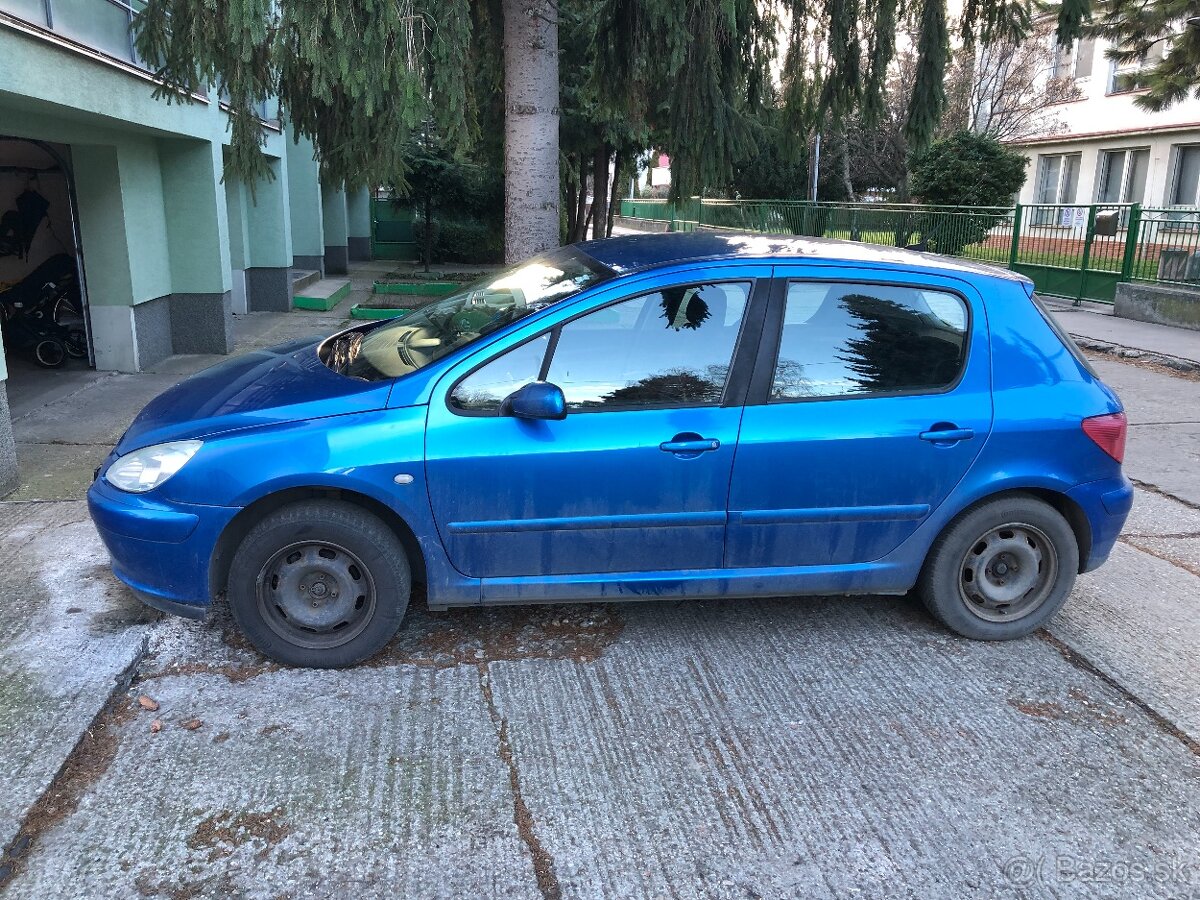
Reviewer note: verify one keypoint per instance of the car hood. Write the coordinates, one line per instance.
(268, 387)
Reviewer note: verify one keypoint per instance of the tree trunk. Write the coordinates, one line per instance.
(600, 192)
(531, 185)
(428, 229)
(615, 198)
(572, 199)
(847, 182)
(581, 208)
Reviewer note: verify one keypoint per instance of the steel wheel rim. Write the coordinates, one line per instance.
(1008, 572)
(316, 594)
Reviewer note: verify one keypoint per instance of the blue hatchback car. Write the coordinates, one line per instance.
(645, 417)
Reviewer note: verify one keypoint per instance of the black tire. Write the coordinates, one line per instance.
(1001, 570)
(354, 560)
(49, 353)
(66, 311)
(76, 343)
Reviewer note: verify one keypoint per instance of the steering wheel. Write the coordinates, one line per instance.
(414, 343)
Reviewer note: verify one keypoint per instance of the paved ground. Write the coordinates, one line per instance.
(1096, 323)
(739, 749)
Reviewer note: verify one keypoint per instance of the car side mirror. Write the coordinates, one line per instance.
(538, 400)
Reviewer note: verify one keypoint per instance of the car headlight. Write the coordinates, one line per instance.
(144, 470)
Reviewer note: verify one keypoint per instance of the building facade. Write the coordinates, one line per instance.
(132, 188)
(1101, 147)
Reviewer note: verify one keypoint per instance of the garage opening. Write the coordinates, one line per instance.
(43, 300)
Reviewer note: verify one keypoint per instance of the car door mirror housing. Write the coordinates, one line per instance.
(538, 400)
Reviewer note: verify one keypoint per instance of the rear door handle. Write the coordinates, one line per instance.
(946, 434)
(691, 445)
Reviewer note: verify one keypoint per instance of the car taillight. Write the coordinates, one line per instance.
(1109, 433)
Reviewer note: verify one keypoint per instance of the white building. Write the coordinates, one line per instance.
(1101, 148)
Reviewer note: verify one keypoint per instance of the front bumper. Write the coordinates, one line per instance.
(161, 550)
(1106, 504)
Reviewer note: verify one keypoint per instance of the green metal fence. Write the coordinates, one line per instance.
(1166, 247)
(1081, 252)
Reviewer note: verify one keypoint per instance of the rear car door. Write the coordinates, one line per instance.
(636, 477)
(869, 403)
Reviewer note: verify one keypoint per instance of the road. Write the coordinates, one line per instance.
(775, 748)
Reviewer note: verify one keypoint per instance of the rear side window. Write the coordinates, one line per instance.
(843, 340)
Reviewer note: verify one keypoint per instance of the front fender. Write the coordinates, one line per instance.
(362, 453)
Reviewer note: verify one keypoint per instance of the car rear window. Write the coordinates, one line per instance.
(1060, 332)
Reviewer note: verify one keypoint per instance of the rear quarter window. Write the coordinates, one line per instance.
(1061, 334)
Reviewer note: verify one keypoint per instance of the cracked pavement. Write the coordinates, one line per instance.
(767, 748)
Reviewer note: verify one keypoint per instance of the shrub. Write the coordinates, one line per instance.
(970, 170)
(458, 241)
(967, 169)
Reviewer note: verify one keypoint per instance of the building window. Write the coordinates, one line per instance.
(1123, 176)
(1057, 183)
(30, 10)
(101, 24)
(1085, 51)
(1063, 65)
(1129, 77)
(266, 110)
(1187, 175)
(1073, 60)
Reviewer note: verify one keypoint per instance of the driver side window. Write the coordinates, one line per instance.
(670, 348)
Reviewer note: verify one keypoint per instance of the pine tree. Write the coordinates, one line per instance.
(1138, 29)
(355, 77)
(685, 76)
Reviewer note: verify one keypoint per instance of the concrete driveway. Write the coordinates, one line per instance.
(779, 748)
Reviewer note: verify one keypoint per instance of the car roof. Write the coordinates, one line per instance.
(635, 253)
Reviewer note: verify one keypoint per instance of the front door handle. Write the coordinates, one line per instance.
(947, 433)
(690, 444)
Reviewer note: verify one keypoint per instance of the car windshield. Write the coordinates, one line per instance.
(431, 332)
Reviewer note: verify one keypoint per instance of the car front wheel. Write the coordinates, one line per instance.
(320, 583)
(1002, 570)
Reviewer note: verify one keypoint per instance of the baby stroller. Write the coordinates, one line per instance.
(42, 313)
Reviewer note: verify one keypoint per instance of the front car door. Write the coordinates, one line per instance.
(636, 477)
(868, 405)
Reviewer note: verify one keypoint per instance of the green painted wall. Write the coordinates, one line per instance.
(80, 87)
(155, 217)
(235, 209)
(333, 216)
(101, 218)
(304, 194)
(196, 221)
(358, 212)
(145, 221)
(269, 221)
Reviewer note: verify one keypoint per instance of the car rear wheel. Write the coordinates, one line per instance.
(1002, 570)
(321, 583)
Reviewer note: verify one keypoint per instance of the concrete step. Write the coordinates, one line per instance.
(323, 295)
(302, 278)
